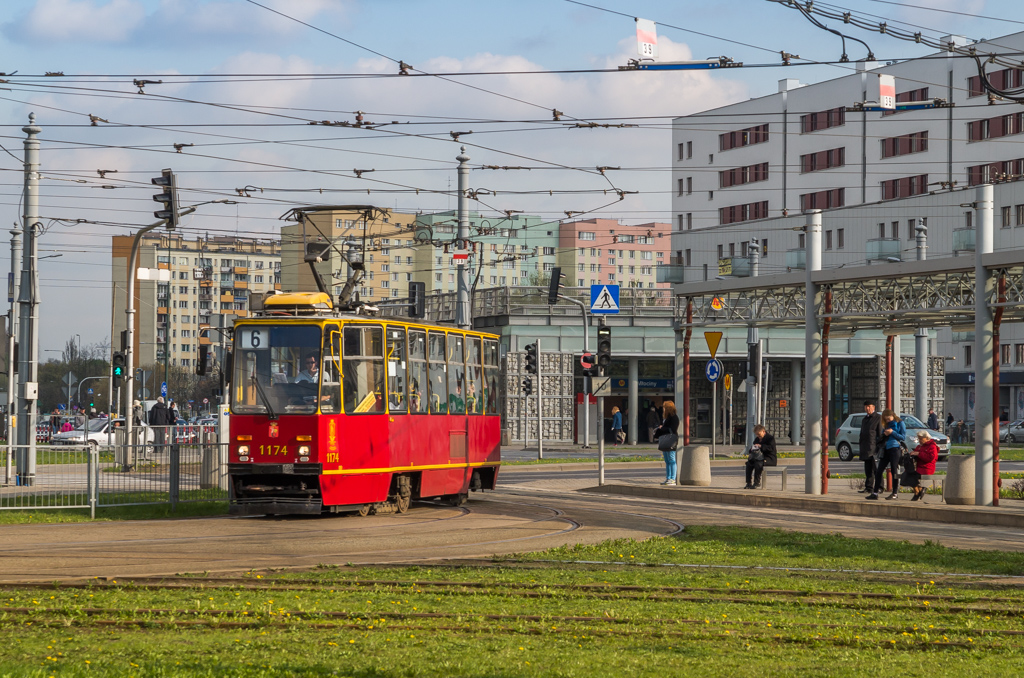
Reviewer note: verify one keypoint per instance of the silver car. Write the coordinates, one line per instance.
(848, 436)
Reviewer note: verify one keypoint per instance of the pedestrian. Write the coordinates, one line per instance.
(159, 419)
(895, 433)
(762, 453)
(617, 433)
(949, 422)
(136, 413)
(933, 419)
(924, 456)
(653, 423)
(870, 444)
(667, 436)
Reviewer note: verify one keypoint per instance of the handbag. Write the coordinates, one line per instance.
(668, 442)
(755, 455)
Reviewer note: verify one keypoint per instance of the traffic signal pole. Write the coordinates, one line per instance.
(540, 407)
(28, 304)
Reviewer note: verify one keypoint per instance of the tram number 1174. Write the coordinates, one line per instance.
(272, 450)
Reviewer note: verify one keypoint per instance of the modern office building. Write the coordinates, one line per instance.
(208, 276)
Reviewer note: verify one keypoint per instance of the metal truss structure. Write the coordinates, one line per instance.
(904, 295)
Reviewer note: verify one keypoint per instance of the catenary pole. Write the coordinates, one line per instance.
(28, 302)
(540, 406)
(812, 363)
(984, 286)
(753, 349)
(921, 366)
(12, 368)
(462, 311)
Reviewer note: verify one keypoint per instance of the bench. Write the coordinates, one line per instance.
(784, 470)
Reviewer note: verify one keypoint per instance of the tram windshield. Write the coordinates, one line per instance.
(277, 369)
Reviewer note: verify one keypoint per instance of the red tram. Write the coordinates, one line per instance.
(334, 411)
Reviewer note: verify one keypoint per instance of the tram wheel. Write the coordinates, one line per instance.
(364, 510)
(456, 499)
(402, 503)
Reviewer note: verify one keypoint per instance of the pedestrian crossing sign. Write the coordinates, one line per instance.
(604, 298)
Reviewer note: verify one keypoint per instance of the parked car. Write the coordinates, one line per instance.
(95, 434)
(848, 436)
(1014, 432)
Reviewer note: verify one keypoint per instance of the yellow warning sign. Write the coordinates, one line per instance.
(713, 339)
(727, 381)
(716, 304)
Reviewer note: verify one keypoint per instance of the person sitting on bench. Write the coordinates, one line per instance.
(762, 453)
(924, 456)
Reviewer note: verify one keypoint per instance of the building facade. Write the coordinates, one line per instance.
(606, 251)
(208, 276)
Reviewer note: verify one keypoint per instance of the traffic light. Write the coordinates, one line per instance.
(753, 361)
(589, 362)
(417, 299)
(555, 285)
(604, 348)
(527, 386)
(169, 198)
(118, 368)
(203, 362)
(531, 358)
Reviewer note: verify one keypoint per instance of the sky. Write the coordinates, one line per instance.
(241, 84)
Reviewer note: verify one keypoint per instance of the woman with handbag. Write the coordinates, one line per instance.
(668, 437)
(895, 432)
(617, 434)
(762, 453)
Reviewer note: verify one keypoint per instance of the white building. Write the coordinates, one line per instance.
(745, 172)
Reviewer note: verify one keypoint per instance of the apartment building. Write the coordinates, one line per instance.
(801, 148)
(211, 275)
(596, 251)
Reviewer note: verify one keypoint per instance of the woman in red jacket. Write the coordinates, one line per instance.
(924, 455)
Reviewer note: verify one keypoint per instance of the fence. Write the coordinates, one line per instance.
(178, 464)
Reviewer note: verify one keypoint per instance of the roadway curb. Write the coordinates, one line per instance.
(592, 466)
(930, 512)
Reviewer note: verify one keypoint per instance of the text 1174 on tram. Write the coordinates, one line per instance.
(339, 411)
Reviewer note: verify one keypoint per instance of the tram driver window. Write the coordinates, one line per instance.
(269, 367)
(330, 388)
(363, 369)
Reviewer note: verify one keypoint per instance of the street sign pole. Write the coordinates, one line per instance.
(540, 405)
(714, 416)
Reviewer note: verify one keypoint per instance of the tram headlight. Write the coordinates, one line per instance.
(304, 453)
(243, 453)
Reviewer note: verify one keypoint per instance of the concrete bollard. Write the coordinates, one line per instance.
(959, 485)
(694, 465)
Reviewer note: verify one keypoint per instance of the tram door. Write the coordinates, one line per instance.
(839, 398)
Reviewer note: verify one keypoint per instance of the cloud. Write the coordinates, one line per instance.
(173, 22)
(79, 20)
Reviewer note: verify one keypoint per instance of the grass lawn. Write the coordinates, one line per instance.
(525, 617)
(142, 512)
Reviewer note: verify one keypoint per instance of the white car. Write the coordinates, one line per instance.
(95, 434)
(848, 436)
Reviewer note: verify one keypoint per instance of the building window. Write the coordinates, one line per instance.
(681, 182)
(736, 213)
(587, 235)
(840, 238)
(739, 176)
(969, 219)
(689, 221)
(905, 97)
(720, 252)
(1007, 214)
(579, 282)
(689, 150)
(689, 185)
(579, 267)
(732, 249)
(687, 260)
(823, 199)
(645, 254)
(967, 355)
(905, 144)
(1018, 349)
(740, 138)
(680, 222)
(828, 240)
(895, 230)
(812, 122)
(905, 187)
(682, 151)
(812, 162)
(1004, 354)
(994, 128)
(801, 241)
(881, 230)
(983, 174)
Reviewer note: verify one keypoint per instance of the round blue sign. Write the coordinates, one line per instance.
(714, 370)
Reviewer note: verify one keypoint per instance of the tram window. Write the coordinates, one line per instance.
(474, 377)
(456, 374)
(438, 383)
(491, 376)
(397, 400)
(276, 369)
(330, 388)
(363, 369)
(417, 371)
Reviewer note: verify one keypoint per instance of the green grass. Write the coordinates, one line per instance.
(1005, 454)
(189, 509)
(525, 619)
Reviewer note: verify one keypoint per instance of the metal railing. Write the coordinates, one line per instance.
(172, 465)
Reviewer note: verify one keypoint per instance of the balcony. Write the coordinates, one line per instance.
(240, 270)
(796, 259)
(963, 239)
(227, 298)
(880, 249)
(672, 272)
(205, 297)
(241, 285)
(737, 267)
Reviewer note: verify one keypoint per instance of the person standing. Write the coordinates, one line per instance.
(933, 419)
(617, 425)
(667, 436)
(895, 433)
(870, 444)
(762, 453)
(653, 423)
(159, 419)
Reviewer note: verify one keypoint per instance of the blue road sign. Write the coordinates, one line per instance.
(163, 388)
(604, 298)
(713, 370)
(61, 407)
(89, 391)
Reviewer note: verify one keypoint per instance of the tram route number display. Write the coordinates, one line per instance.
(255, 338)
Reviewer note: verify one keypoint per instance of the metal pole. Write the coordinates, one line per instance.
(714, 416)
(686, 371)
(921, 366)
(540, 407)
(753, 340)
(600, 440)
(633, 400)
(986, 429)
(812, 363)
(586, 349)
(28, 300)
(794, 402)
(997, 321)
(12, 368)
(462, 311)
(825, 393)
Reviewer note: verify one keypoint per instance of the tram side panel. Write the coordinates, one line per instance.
(356, 459)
